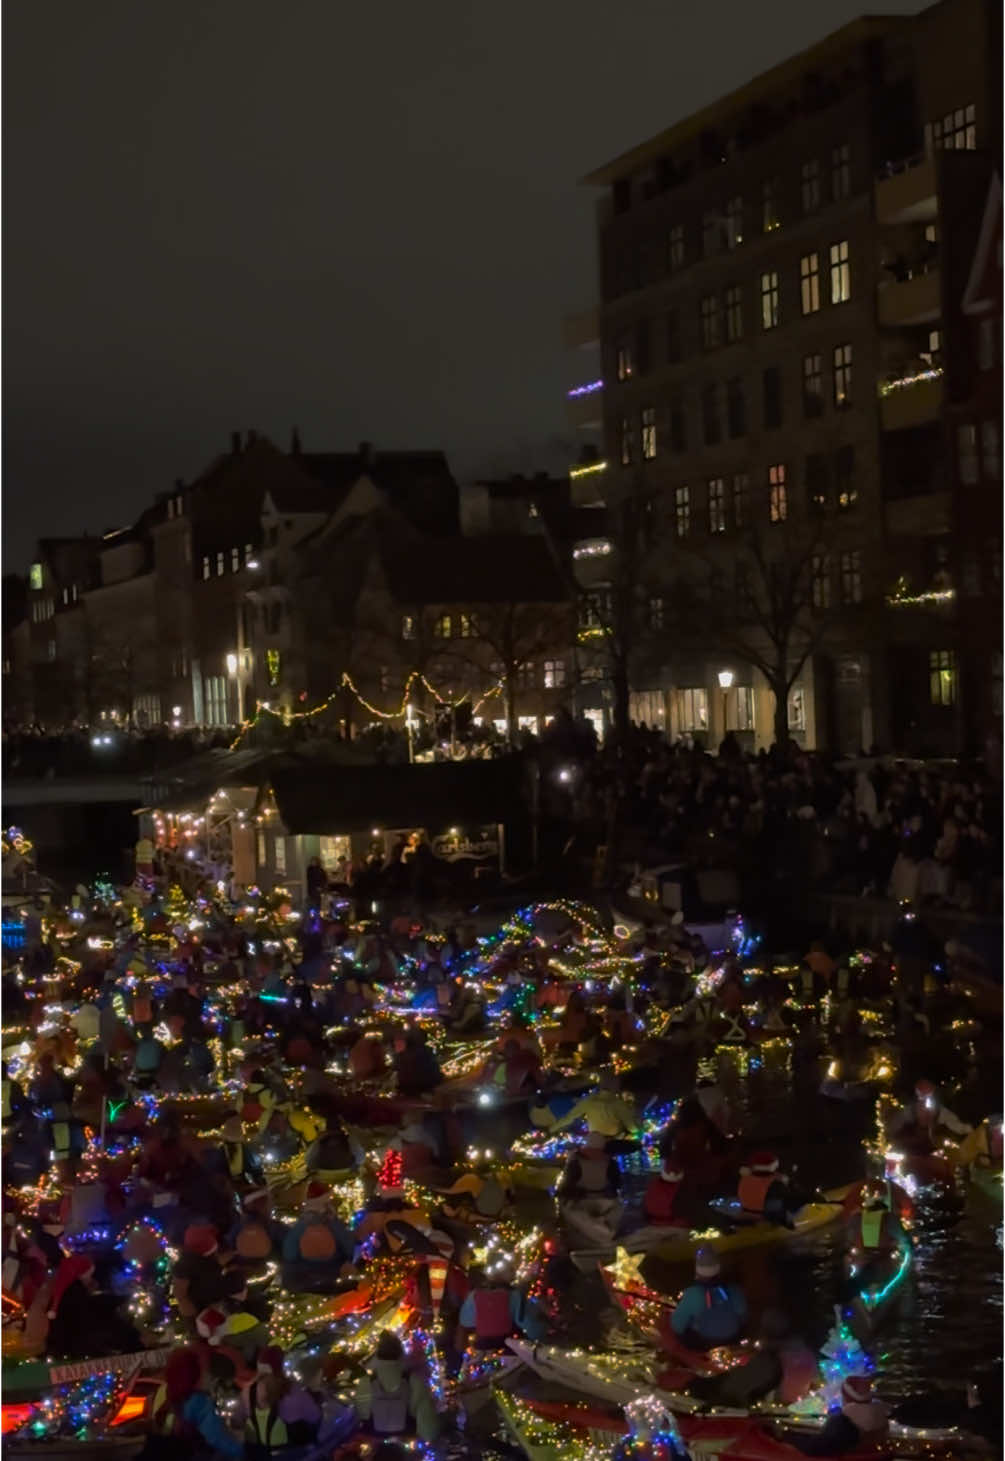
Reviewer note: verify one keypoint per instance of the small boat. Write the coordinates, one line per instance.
(877, 1292)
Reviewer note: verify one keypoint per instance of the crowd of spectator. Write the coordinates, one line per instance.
(36, 753)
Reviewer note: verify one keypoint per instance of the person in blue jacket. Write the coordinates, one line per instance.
(186, 1423)
(710, 1312)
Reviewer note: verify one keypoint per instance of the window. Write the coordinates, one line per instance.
(624, 358)
(809, 283)
(655, 612)
(35, 576)
(813, 386)
(841, 171)
(682, 511)
(648, 418)
(676, 250)
(817, 482)
(467, 626)
(966, 451)
(740, 708)
(797, 709)
(986, 344)
(842, 376)
(769, 301)
(673, 337)
(443, 627)
(741, 494)
(820, 582)
(942, 677)
(710, 415)
(717, 505)
(678, 422)
(734, 222)
(778, 499)
(845, 491)
(692, 709)
(956, 131)
(991, 450)
(711, 321)
(769, 206)
(248, 551)
(526, 676)
(851, 577)
(840, 273)
(627, 442)
(408, 626)
(554, 674)
(734, 313)
(235, 559)
(711, 233)
(772, 381)
(215, 695)
(736, 408)
(811, 185)
(219, 564)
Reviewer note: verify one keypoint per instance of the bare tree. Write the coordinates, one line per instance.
(507, 636)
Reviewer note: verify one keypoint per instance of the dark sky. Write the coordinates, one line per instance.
(360, 217)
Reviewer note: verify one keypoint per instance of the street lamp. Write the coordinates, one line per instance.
(725, 681)
(410, 725)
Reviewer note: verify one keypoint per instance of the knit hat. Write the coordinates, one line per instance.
(200, 1239)
(706, 1263)
(762, 1164)
(316, 1197)
(670, 1171)
(72, 1268)
(857, 1390)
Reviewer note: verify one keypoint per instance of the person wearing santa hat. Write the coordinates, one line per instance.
(82, 1321)
(709, 1312)
(318, 1249)
(198, 1278)
(764, 1192)
(660, 1202)
(861, 1420)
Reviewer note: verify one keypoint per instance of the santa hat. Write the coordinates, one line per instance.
(71, 1269)
(316, 1197)
(857, 1390)
(762, 1164)
(670, 1171)
(211, 1324)
(200, 1239)
(706, 1263)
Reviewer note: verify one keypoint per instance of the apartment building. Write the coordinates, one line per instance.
(776, 275)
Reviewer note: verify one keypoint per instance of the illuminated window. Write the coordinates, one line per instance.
(736, 408)
(813, 386)
(682, 511)
(215, 695)
(942, 677)
(279, 854)
(676, 246)
(820, 582)
(717, 505)
(770, 219)
(443, 627)
(655, 613)
(648, 419)
(554, 674)
(956, 131)
(841, 171)
(809, 283)
(811, 185)
(734, 313)
(35, 576)
(711, 321)
(741, 495)
(740, 708)
(840, 272)
(248, 551)
(467, 627)
(205, 566)
(272, 665)
(691, 709)
(797, 709)
(408, 626)
(219, 564)
(624, 358)
(966, 452)
(769, 301)
(526, 676)
(778, 498)
(842, 376)
(734, 222)
(851, 577)
(627, 442)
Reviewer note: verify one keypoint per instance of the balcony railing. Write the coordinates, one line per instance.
(911, 399)
(906, 191)
(913, 299)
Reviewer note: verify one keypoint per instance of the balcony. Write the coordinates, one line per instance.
(581, 331)
(911, 400)
(926, 516)
(586, 484)
(583, 406)
(913, 301)
(906, 192)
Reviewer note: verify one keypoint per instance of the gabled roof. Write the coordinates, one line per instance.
(984, 284)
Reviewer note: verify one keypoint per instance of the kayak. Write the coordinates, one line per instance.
(877, 1292)
(588, 1373)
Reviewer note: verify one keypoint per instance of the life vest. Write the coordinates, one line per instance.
(265, 1432)
(594, 1172)
(493, 1319)
(253, 1241)
(235, 1157)
(872, 1225)
(660, 1199)
(389, 1408)
(753, 1191)
(318, 1244)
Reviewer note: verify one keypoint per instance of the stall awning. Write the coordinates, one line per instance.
(333, 800)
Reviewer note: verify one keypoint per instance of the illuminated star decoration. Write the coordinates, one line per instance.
(626, 1269)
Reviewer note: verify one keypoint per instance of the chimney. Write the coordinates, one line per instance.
(366, 454)
(235, 443)
(295, 442)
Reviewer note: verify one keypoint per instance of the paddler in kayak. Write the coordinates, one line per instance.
(588, 1191)
(496, 1308)
(782, 1366)
(185, 1420)
(862, 1420)
(874, 1233)
(983, 1147)
(318, 1249)
(710, 1312)
(661, 1203)
(392, 1399)
(765, 1193)
(925, 1121)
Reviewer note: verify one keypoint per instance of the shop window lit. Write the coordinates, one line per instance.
(692, 709)
(769, 300)
(840, 272)
(770, 219)
(443, 627)
(841, 171)
(966, 453)
(740, 708)
(35, 576)
(820, 582)
(778, 500)
(734, 222)
(648, 418)
(215, 694)
(717, 505)
(811, 185)
(956, 131)
(734, 313)
(851, 577)
(809, 283)
(942, 677)
(408, 626)
(554, 674)
(682, 511)
(797, 709)
(842, 376)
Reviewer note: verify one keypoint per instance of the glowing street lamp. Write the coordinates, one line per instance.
(725, 681)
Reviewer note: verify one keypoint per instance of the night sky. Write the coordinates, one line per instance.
(360, 218)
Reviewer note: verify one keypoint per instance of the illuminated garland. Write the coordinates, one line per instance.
(589, 389)
(889, 387)
(588, 470)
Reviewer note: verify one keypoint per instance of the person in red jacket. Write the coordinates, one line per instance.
(661, 1199)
